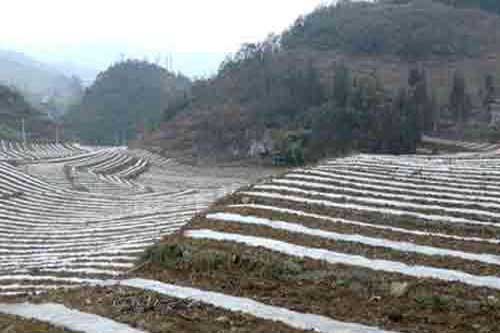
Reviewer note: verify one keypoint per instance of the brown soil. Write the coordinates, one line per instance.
(467, 246)
(472, 267)
(399, 191)
(407, 222)
(11, 324)
(156, 313)
(341, 292)
(381, 171)
(423, 210)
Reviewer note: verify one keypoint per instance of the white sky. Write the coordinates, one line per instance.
(95, 32)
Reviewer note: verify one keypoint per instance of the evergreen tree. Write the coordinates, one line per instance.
(409, 130)
(489, 86)
(342, 86)
(459, 101)
(436, 113)
(313, 89)
(417, 82)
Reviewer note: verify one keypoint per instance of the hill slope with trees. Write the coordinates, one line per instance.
(350, 76)
(126, 100)
(486, 5)
(13, 110)
(413, 30)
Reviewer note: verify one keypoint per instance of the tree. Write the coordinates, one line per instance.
(405, 110)
(418, 91)
(436, 113)
(459, 101)
(488, 5)
(489, 86)
(414, 31)
(313, 88)
(342, 86)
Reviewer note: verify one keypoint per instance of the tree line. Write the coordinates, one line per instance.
(487, 5)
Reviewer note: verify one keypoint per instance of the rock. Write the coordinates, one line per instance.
(246, 200)
(235, 259)
(476, 327)
(492, 301)
(399, 289)
(222, 319)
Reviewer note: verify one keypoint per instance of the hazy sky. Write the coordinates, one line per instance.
(94, 33)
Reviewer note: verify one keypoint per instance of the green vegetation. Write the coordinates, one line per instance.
(487, 5)
(352, 76)
(13, 109)
(127, 98)
(414, 30)
(209, 261)
(323, 87)
(267, 91)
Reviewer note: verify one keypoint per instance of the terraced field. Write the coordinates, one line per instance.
(366, 243)
(71, 215)
(406, 243)
(462, 145)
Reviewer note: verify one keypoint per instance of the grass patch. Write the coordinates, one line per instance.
(200, 259)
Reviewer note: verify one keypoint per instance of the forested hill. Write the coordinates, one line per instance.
(407, 29)
(126, 100)
(367, 76)
(487, 5)
(13, 110)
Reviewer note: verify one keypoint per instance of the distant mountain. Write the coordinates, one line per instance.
(70, 69)
(43, 85)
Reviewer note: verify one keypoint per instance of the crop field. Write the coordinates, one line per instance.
(139, 243)
(72, 215)
(398, 243)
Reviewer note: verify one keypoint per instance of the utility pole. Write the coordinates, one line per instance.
(23, 131)
(57, 133)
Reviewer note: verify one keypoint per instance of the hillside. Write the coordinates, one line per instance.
(392, 242)
(416, 30)
(112, 239)
(486, 5)
(323, 180)
(43, 85)
(13, 109)
(125, 101)
(287, 86)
